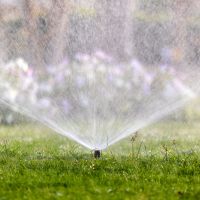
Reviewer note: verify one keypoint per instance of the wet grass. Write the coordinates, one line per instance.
(163, 162)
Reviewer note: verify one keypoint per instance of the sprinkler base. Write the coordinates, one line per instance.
(97, 153)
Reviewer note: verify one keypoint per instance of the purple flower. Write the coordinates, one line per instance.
(103, 56)
(148, 78)
(82, 57)
(80, 81)
(64, 62)
(146, 88)
(117, 71)
(51, 69)
(44, 103)
(164, 68)
(137, 67)
(111, 77)
(60, 77)
(66, 106)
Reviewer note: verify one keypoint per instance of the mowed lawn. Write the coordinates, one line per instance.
(162, 162)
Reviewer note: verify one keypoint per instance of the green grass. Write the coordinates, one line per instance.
(162, 163)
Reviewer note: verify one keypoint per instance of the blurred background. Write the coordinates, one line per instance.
(155, 32)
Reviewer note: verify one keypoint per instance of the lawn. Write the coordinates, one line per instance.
(162, 162)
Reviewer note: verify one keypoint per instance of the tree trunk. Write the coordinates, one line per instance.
(115, 26)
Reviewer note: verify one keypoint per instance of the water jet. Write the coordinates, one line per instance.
(68, 72)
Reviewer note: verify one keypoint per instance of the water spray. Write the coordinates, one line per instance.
(85, 93)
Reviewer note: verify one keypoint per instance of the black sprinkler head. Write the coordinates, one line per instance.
(97, 153)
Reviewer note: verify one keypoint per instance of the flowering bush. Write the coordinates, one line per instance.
(89, 82)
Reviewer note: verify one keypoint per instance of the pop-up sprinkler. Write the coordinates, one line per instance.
(97, 153)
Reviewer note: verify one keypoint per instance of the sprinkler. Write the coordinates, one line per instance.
(97, 153)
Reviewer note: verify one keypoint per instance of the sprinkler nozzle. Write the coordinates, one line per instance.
(97, 153)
